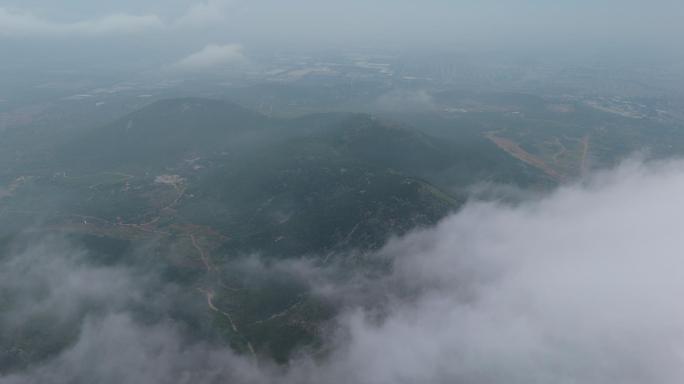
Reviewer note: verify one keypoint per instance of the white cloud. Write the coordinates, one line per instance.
(212, 56)
(19, 23)
(582, 287)
(116, 349)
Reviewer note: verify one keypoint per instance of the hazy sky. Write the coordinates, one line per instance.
(447, 20)
(112, 41)
(165, 28)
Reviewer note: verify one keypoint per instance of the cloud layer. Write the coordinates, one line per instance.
(581, 286)
(22, 24)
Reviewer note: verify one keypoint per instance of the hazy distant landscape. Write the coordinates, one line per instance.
(231, 192)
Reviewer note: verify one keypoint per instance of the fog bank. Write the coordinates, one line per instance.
(581, 286)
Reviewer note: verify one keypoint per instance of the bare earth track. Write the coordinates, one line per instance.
(513, 149)
(584, 166)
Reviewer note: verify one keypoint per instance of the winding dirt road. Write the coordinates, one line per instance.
(210, 302)
(203, 255)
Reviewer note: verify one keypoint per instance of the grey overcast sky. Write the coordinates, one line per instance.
(150, 32)
(320, 21)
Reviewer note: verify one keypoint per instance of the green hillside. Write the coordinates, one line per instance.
(202, 184)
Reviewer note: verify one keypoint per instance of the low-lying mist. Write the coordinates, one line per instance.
(583, 285)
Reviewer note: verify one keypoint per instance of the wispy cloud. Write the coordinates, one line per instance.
(206, 13)
(213, 56)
